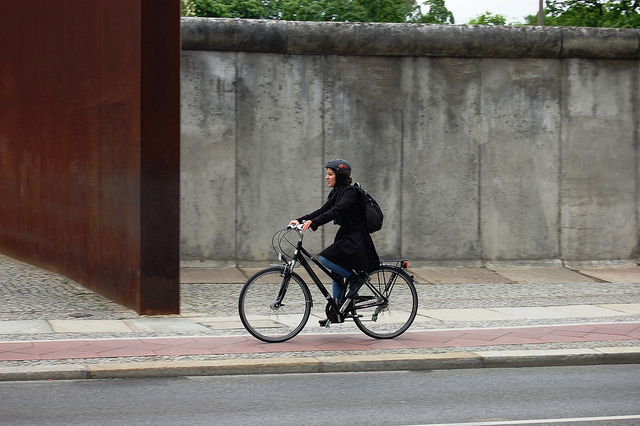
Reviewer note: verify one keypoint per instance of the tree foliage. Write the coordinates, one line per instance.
(591, 13)
(304, 10)
(583, 13)
(437, 14)
(488, 18)
(321, 10)
(249, 9)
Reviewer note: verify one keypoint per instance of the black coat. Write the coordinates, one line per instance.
(352, 247)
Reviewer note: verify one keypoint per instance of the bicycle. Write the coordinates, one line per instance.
(275, 303)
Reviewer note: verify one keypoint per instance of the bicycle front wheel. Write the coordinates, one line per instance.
(389, 304)
(274, 307)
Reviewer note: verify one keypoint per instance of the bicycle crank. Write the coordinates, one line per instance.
(333, 315)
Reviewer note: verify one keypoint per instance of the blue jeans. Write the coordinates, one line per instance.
(338, 287)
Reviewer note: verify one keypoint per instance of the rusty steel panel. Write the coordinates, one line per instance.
(73, 165)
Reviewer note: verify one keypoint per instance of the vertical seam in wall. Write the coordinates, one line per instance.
(325, 58)
(561, 81)
(636, 134)
(636, 115)
(480, 123)
(561, 43)
(402, 144)
(237, 96)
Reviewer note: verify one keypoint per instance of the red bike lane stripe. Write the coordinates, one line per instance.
(219, 345)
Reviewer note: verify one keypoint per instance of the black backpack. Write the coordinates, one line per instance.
(373, 215)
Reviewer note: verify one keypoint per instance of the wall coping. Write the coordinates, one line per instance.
(389, 39)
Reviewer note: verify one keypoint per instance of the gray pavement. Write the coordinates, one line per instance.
(40, 306)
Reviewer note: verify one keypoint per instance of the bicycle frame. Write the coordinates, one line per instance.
(301, 254)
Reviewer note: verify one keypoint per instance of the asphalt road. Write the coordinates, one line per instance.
(600, 395)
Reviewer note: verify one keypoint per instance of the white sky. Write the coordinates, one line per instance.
(513, 10)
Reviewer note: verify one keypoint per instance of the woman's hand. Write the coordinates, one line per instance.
(305, 226)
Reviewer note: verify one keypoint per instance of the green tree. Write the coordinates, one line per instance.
(591, 13)
(437, 14)
(389, 10)
(322, 10)
(306, 10)
(250, 9)
(488, 18)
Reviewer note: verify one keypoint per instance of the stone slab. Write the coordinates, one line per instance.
(473, 314)
(202, 368)
(25, 327)
(542, 275)
(395, 362)
(621, 355)
(206, 275)
(629, 308)
(539, 358)
(165, 325)
(420, 318)
(630, 274)
(533, 312)
(89, 326)
(588, 311)
(458, 276)
(621, 350)
(220, 323)
(44, 372)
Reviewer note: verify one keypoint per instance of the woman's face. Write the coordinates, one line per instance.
(331, 178)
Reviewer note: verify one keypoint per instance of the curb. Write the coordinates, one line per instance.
(334, 364)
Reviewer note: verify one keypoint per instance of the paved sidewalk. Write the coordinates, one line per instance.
(52, 328)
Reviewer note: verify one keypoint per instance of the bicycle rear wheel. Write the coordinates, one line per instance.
(266, 318)
(395, 311)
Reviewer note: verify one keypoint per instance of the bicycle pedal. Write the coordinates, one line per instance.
(325, 323)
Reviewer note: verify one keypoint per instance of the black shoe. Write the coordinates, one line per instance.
(323, 322)
(355, 284)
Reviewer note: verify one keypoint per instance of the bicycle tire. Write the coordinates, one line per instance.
(266, 322)
(396, 316)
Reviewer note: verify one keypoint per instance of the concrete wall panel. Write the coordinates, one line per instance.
(440, 159)
(519, 159)
(279, 142)
(208, 171)
(599, 150)
(363, 124)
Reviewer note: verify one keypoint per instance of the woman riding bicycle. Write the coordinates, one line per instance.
(352, 251)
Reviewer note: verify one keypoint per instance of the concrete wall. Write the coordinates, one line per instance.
(482, 144)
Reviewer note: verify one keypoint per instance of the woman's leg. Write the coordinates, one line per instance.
(338, 287)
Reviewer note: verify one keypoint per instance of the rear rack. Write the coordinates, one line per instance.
(398, 263)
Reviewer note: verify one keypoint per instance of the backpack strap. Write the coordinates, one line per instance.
(362, 203)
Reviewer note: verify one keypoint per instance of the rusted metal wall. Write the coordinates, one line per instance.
(89, 144)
